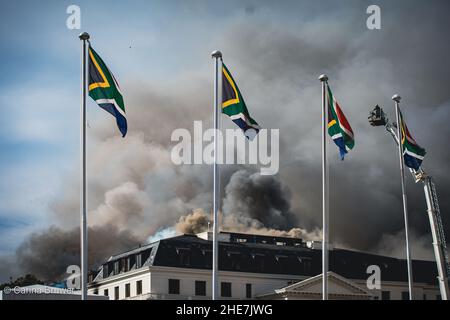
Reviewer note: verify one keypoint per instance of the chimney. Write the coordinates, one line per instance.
(207, 235)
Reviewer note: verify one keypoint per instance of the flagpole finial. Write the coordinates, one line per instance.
(84, 36)
(216, 54)
(323, 77)
(396, 98)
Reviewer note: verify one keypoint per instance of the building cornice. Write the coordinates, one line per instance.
(235, 274)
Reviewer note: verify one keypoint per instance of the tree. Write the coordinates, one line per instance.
(26, 280)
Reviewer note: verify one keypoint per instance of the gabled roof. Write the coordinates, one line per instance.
(311, 288)
(332, 278)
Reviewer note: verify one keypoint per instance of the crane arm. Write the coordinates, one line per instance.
(437, 227)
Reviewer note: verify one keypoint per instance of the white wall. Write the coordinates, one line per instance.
(261, 283)
(121, 280)
(396, 289)
(155, 281)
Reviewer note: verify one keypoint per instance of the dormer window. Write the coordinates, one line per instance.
(138, 260)
(184, 255)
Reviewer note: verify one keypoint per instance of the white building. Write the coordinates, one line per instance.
(254, 267)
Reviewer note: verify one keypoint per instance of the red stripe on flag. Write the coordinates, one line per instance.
(342, 119)
(408, 135)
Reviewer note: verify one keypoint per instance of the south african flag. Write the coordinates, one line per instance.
(413, 154)
(105, 91)
(338, 127)
(233, 105)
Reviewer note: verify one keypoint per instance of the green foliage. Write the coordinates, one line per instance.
(26, 280)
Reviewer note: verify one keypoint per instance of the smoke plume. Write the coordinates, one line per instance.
(48, 254)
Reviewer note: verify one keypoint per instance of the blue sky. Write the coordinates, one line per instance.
(38, 127)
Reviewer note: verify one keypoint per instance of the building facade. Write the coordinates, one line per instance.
(254, 267)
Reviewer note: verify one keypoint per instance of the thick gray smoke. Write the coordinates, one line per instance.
(260, 198)
(199, 221)
(48, 254)
(193, 223)
(135, 191)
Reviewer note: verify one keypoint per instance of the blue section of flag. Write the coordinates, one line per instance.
(412, 162)
(341, 144)
(243, 125)
(120, 119)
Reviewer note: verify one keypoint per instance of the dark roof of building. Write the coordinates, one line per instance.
(262, 254)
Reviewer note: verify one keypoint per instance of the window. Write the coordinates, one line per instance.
(200, 288)
(127, 290)
(184, 256)
(128, 264)
(123, 265)
(305, 263)
(207, 255)
(132, 261)
(116, 293)
(105, 270)
(248, 290)
(145, 255)
(226, 289)
(105, 292)
(405, 295)
(116, 267)
(174, 286)
(138, 287)
(110, 268)
(235, 260)
(138, 261)
(258, 261)
(385, 295)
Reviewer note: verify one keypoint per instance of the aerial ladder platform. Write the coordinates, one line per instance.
(378, 118)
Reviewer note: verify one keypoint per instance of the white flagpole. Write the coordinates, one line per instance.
(397, 99)
(216, 176)
(323, 78)
(84, 37)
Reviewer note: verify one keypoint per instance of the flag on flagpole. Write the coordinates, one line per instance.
(413, 154)
(338, 127)
(105, 91)
(233, 105)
